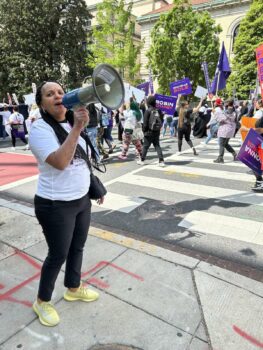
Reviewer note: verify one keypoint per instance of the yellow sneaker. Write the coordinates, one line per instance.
(82, 293)
(47, 314)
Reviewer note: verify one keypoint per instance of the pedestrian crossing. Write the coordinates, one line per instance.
(198, 177)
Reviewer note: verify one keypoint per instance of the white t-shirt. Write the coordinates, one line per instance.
(71, 183)
(16, 118)
(5, 115)
(258, 114)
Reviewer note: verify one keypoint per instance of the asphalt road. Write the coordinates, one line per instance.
(191, 204)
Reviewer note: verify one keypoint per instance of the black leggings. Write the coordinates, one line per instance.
(184, 132)
(65, 226)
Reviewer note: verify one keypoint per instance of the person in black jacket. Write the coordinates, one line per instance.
(151, 136)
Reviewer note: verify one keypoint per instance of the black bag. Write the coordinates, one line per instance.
(97, 189)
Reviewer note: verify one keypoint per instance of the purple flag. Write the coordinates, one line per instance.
(248, 153)
(151, 81)
(182, 87)
(222, 72)
(207, 80)
(144, 87)
(166, 104)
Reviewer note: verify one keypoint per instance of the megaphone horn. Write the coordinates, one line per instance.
(106, 88)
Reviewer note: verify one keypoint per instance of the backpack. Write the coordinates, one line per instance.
(169, 119)
(155, 121)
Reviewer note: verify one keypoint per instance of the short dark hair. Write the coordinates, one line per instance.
(15, 108)
(151, 101)
(230, 102)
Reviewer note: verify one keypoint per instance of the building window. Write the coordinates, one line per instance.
(235, 34)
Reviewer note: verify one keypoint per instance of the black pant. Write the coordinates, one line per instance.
(184, 132)
(224, 144)
(153, 138)
(65, 226)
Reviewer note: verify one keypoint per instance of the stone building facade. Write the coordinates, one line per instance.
(227, 13)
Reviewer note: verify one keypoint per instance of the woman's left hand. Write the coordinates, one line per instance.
(100, 200)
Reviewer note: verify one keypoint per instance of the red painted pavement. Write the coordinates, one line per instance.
(14, 167)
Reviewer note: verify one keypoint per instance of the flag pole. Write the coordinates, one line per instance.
(217, 83)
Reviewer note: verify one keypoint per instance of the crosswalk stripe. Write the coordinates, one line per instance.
(226, 175)
(221, 225)
(198, 190)
(184, 158)
(124, 204)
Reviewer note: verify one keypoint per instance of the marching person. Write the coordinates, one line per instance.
(152, 124)
(5, 121)
(226, 130)
(132, 130)
(16, 121)
(62, 203)
(184, 123)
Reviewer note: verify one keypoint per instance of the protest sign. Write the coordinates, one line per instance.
(182, 87)
(131, 91)
(166, 104)
(248, 123)
(30, 99)
(259, 58)
(248, 153)
(200, 92)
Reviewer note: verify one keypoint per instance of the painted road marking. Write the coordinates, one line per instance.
(124, 204)
(193, 159)
(198, 190)
(225, 226)
(221, 174)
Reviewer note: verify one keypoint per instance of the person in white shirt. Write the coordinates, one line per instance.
(16, 121)
(62, 202)
(5, 121)
(259, 109)
(34, 114)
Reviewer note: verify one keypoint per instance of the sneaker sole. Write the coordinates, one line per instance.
(41, 319)
(69, 298)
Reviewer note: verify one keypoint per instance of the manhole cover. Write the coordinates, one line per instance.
(114, 347)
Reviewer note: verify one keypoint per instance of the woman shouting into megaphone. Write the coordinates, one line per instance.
(62, 202)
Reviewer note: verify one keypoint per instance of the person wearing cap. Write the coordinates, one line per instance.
(226, 130)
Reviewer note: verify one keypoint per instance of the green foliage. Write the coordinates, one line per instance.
(250, 36)
(42, 40)
(113, 39)
(181, 40)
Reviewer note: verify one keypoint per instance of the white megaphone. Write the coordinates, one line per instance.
(106, 87)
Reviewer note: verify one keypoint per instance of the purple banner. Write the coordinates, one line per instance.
(206, 74)
(182, 87)
(144, 87)
(166, 104)
(248, 153)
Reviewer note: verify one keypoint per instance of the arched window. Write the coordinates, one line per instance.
(234, 36)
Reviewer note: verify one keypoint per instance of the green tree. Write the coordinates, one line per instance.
(181, 40)
(250, 35)
(113, 39)
(42, 40)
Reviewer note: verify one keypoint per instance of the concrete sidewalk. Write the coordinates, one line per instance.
(150, 298)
